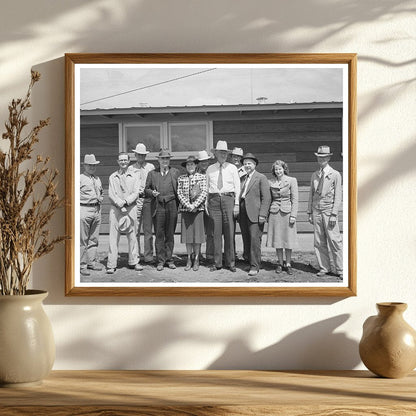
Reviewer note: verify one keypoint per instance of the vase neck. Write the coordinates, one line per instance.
(390, 308)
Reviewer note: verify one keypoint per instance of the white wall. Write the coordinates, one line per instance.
(200, 333)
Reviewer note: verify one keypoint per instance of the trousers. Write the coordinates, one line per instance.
(114, 236)
(90, 221)
(327, 240)
(166, 218)
(220, 208)
(146, 221)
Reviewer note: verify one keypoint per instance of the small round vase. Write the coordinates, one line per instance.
(27, 347)
(388, 345)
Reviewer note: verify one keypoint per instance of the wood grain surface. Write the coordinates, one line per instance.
(203, 393)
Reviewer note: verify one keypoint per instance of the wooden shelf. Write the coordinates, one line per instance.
(203, 393)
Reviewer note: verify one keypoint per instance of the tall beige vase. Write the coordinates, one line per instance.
(388, 345)
(27, 346)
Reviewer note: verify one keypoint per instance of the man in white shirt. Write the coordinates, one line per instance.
(144, 212)
(223, 184)
(325, 198)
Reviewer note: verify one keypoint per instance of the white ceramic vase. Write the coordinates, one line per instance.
(27, 346)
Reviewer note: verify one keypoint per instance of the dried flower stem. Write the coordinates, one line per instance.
(23, 217)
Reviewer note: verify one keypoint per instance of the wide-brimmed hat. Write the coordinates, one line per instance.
(190, 159)
(164, 153)
(90, 160)
(323, 151)
(250, 156)
(124, 223)
(140, 149)
(221, 145)
(238, 151)
(203, 155)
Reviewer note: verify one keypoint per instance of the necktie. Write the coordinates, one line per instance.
(320, 183)
(243, 189)
(219, 182)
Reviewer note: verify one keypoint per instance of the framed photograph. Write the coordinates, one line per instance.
(211, 174)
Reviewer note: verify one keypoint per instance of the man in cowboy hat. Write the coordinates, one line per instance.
(144, 214)
(161, 187)
(91, 197)
(223, 183)
(203, 163)
(255, 201)
(123, 192)
(236, 157)
(325, 198)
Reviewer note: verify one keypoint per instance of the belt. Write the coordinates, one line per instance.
(97, 204)
(211, 195)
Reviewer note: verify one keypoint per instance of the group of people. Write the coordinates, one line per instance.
(211, 198)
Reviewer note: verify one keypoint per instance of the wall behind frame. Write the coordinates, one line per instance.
(198, 333)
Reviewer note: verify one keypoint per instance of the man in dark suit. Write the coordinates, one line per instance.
(255, 201)
(161, 186)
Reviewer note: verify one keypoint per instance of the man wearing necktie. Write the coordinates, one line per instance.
(91, 197)
(255, 199)
(223, 184)
(325, 198)
(161, 186)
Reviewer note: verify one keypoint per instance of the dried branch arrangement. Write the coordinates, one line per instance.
(28, 199)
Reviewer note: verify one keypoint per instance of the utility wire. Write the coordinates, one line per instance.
(148, 86)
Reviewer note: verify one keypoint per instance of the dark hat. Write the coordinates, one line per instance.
(323, 151)
(164, 153)
(250, 156)
(190, 159)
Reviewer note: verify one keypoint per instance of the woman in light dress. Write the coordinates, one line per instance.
(281, 232)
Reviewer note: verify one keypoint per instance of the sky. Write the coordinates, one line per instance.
(121, 86)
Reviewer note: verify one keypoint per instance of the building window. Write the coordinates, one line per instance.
(181, 138)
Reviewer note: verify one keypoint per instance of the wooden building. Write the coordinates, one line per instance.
(291, 132)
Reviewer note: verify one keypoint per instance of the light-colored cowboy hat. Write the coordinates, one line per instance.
(164, 153)
(140, 149)
(238, 151)
(221, 145)
(203, 155)
(323, 151)
(190, 159)
(90, 160)
(250, 156)
(124, 223)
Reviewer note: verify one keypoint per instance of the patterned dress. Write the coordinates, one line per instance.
(192, 192)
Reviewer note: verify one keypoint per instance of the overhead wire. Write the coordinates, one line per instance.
(148, 86)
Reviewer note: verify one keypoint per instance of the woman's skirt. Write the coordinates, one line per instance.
(192, 230)
(280, 234)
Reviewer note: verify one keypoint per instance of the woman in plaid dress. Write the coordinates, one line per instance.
(192, 192)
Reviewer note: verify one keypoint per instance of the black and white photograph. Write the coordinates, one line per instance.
(210, 177)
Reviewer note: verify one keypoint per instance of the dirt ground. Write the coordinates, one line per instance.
(304, 267)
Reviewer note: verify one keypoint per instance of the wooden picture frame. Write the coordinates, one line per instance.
(80, 80)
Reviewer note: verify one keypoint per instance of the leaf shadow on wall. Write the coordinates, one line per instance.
(316, 346)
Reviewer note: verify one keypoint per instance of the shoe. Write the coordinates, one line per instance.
(253, 272)
(110, 271)
(214, 268)
(289, 270)
(196, 264)
(279, 269)
(321, 273)
(138, 267)
(171, 266)
(188, 264)
(94, 267)
(232, 269)
(85, 272)
(340, 275)
(159, 267)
